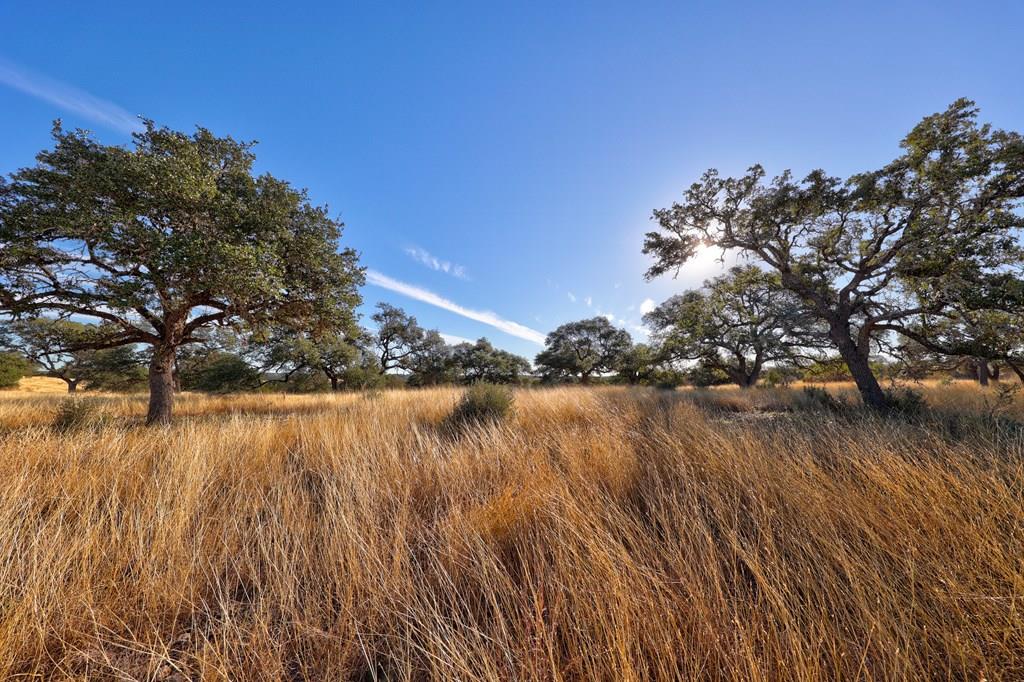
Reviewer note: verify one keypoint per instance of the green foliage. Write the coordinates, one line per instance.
(118, 369)
(902, 250)
(483, 402)
(221, 372)
(782, 375)
(399, 338)
(705, 374)
(61, 348)
(736, 323)
(430, 363)
(583, 349)
(482, 362)
(12, 368)
(827, 370)
(641, 364)
(180, 234)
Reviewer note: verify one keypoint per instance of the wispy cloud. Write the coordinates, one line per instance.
(486, 317)
(454, 339)
(434, 263)
(572, 297)
(68, 98)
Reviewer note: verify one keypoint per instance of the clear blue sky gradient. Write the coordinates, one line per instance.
(526, 143)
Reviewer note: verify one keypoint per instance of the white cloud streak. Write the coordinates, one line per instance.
(648, 305)
(434, 263)
(454, 339)
(485, 317)
(68, 98)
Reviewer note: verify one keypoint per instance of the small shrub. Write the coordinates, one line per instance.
(483, 402)
(816, 398)
(905, 402)
(76, 413)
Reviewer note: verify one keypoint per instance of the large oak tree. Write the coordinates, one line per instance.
(875, 254)
(583, 349)
(164, 238)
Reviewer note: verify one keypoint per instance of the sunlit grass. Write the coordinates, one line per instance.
(594, 534)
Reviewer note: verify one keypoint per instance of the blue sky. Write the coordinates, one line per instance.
(496, 165)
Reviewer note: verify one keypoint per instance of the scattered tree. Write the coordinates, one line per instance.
(736, 324)
(874, 255)
(431, 363)
(481, 361)
(158, 241)
(45, 341)
(583, 349)
(220, 372)
(398, 339)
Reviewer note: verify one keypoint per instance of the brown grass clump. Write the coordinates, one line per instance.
(608, 534)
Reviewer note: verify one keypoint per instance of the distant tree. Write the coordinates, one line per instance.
(399, 338)
(481, 361)
(161, 240)
(221, 372)
(583, 349)
(702, 375)
(737, 323)
(287, 354)
(641, 364)
(876, 254)
(121, 369)
(983, 340)
(13, 366)
(431, 362)
(45, 341)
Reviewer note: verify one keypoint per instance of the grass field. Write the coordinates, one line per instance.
(596, 534)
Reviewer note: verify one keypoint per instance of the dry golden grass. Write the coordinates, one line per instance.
(608, 534)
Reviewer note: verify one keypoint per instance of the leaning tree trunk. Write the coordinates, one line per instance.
(161, 385)
(860, 368)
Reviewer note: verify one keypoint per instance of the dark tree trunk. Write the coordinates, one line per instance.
(161, 385)
(1019, 371)
(856, 360)
(585, 378)
(981, 371)
(334, 382)
(72, 385)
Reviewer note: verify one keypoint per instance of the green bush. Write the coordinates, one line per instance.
(905, 401)
(12, 368)
(483, 403)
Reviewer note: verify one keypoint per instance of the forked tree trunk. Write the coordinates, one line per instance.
(161, 385)
(72, 385)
